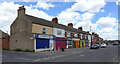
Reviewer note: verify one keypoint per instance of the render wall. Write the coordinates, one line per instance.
(57, 29)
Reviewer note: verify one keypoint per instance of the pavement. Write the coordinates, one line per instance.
(109, 54)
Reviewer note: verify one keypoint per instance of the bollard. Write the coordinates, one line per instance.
(62, 49)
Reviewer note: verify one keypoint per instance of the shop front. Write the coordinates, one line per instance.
(76, 43)
(69, 43)
(60, 43)
(43, 42)
(86, 43)
(82, 43)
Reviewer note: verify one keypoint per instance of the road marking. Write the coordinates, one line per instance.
(91, 50)
(21, 58)
(46, 58)
(37, 60)
(52, 57)
(81, 55)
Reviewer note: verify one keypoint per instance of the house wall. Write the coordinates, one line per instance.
(21, 34)
(89, 38)
(55, 32)
(37, 28)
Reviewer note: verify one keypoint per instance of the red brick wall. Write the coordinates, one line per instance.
(72, 35)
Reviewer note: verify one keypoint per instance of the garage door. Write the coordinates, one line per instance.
(42, 43)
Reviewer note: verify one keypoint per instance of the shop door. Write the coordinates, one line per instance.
(42, 43)
(60, 44)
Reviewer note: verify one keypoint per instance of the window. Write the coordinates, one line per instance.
(44, 31)
(75, 35)
(68, 34)
(81, 36)
(92, 37)
(58, 32)
(85, 36)
(70, 42)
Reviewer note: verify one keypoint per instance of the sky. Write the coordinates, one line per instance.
(101, 15)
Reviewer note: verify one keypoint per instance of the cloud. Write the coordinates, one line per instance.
(117, 3)
(8, 13)
(66, 17)
(102, 10)
(93, 6)
(43, 5)
(87, 16)
(108, 28)
(85, 21)
(109, 33)
(105, 22)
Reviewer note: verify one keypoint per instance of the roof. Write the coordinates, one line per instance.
(3, 35)
(52, 24)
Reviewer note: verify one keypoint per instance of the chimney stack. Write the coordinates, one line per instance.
(80, 28)
(70, 25)
(55, 20)
(21, 11)
(93, 33)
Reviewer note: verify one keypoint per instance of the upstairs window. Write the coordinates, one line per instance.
(59, 32)
(68, 34)
(81, 36)
(92, 37)
(85, 36)
(44, 31)
(75, 35)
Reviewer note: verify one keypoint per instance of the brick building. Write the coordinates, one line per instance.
(29, 32)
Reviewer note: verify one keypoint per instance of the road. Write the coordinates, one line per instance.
(109, 54)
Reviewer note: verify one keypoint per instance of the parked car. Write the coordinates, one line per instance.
(94, 46)
(103, 45)
(115, 43)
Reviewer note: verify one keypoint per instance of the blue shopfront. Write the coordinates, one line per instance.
(43, 42)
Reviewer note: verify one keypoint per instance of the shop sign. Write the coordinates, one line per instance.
(44, 36)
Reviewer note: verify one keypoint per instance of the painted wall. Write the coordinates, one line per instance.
(89, 38)
(36, 28)
(57, 29)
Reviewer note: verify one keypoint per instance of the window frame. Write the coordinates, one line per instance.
(59, 33)
(43, 30)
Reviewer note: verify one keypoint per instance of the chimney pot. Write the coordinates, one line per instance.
(70, 25)
(55, 20)
(80, 28)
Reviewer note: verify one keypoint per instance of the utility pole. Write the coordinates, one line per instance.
(91, 36)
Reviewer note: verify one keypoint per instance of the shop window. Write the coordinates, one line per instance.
(58, 32)
(44, 31)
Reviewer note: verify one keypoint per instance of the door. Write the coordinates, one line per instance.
(60, 43)
(42, 43)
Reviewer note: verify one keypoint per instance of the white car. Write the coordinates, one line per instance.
(103, 45)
